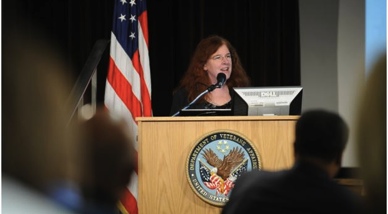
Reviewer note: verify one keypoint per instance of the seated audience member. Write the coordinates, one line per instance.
(109, 158)
(372, 139)
(308, 187)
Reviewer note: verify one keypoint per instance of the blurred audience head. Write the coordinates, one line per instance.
(37, 148)
(109, 156)
(321, 136)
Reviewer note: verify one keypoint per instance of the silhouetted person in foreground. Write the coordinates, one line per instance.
(109, 158)
(38, 150)
(308, 187)
(372, 137)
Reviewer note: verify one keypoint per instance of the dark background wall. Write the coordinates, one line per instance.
(265, 34)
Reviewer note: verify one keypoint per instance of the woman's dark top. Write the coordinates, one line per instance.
(179, 101)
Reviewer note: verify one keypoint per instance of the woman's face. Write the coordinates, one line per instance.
(220, 61)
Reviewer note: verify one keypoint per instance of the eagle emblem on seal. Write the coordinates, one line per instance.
(220, 174)
(216, 161)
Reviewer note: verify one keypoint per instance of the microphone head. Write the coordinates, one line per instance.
(221, 79)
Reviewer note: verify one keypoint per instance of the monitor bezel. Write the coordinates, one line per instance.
(240, 106)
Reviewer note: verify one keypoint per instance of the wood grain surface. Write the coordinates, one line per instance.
(165, 144)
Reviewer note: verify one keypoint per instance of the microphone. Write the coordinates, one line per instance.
(221, 79)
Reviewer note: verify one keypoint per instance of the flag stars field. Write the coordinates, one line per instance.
(122, 17)
(133, 18)
(132, 36)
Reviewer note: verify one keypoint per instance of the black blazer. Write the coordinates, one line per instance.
(180, 101)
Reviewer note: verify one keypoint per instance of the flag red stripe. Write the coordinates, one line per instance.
(129, 202)
(145, 98)
(123, 89)
(143, 20)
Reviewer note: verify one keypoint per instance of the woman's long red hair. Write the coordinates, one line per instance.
(196, 79)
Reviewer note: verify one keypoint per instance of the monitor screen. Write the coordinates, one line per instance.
(267, 101)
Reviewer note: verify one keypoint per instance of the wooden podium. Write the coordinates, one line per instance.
(165, 144)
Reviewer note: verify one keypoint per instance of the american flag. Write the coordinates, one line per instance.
(241, 169)
(128, 84)
(204, 172)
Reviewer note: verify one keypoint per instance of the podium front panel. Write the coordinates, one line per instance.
(165, 144)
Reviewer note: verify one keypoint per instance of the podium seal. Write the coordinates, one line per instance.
(216, 161)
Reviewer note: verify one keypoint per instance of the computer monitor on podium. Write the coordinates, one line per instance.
(267, 101)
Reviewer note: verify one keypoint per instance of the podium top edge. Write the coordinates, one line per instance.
(219, 118)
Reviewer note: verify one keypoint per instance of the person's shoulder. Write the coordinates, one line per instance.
(349, 201)
(180, 91)
(258, 175)
(20, 198)
(264, 173)
(179, 100)
(347, 194)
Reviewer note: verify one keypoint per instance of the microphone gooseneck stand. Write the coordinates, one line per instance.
(221, 78)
